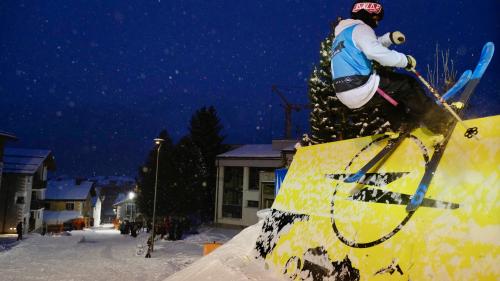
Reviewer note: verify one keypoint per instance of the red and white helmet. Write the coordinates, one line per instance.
(369, 11)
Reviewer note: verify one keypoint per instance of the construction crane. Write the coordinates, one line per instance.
(288, 107)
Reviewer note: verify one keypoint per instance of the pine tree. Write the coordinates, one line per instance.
(190, 173)
(328, 115)
(205, 132)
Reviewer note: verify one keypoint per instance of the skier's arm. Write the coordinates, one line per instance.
(365, 40)
(385, 40)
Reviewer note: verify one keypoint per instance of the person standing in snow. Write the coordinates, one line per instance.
(133, 229)
(19, 231)
(360, 87)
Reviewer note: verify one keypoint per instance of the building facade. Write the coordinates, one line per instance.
(125, 207)
(246, 180)
(24, 182)
(69, 201)
(109, 188)
(4, 137)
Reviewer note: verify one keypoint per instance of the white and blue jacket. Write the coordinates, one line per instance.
(353, 49)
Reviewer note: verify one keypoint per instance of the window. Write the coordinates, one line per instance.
(252, 204)
(19, 200)
(129, 210)
(268, 189)
(267, 194)
(233, 192)
(254, 177)
(253, 181)
(70, 206)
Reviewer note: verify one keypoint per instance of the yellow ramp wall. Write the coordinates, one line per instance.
(324, 229)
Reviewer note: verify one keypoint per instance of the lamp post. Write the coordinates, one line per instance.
(158, 142)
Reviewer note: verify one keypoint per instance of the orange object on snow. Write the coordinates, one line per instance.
(209, 247)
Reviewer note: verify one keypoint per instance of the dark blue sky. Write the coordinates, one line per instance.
(95, 81)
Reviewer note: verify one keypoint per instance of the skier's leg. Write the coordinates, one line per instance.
(420, 107)
(372, 119)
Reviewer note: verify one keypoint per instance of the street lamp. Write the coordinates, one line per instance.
(131, 195)
(158, 142)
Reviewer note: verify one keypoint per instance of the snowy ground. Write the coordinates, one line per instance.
(104, 254)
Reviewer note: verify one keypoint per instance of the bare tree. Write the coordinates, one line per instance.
(442, 76)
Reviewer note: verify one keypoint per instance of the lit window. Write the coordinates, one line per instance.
(70, 206)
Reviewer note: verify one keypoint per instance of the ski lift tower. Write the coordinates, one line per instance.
(288, 107)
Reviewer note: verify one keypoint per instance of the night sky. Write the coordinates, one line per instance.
(95, 81)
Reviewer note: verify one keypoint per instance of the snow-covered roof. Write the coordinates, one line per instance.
(7, 135)
(23, 161)
(59, 217)
(290, 148)
(252, 151)
(117, 180)
(120, 199)
(68, 190)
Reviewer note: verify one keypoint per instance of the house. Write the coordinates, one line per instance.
(96, 204)
(72, 203)
(24, 182)
(125, 207)
(4, 137)
(246, 180)
(109, 188)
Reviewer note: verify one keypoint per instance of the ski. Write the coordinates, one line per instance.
(386, 151)
(464, 79)
(430, 169)
(394, 143)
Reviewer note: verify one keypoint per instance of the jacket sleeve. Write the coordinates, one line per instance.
(365, 40)
(385, 40)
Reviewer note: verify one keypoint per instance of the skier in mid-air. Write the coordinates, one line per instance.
(356, 82)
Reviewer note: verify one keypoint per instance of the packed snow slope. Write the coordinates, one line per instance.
(101, 254)
(233, 261)
(322, 228)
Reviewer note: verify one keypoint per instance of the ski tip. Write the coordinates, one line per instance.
(488, 49)
(459, 85)
(489, 46)
(486, 56)
(353, 178)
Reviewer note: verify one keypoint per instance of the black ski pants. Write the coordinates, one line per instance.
(414, 105)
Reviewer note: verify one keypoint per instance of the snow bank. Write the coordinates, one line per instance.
(235, 261)
(101, 254)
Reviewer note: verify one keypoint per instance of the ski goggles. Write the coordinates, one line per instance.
(372, 8)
